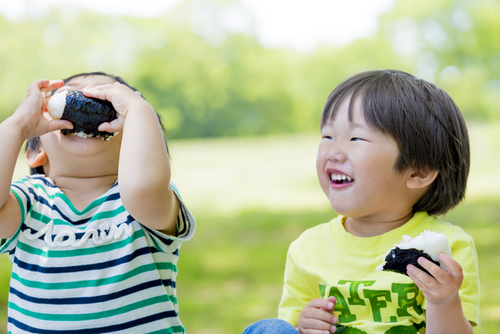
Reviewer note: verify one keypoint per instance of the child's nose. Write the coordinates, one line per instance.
(336, 153)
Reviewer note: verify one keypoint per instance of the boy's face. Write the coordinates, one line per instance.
(355, 166)
(74, 153)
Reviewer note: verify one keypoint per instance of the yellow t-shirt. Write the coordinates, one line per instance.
(328, 261)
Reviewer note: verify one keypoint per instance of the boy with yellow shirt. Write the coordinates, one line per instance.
(394, 154)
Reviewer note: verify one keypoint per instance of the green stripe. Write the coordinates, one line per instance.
(170, 330)
(101, 215)
(81, 251)
(65, 199)
(23, 209)
(94, 283)
(108, 214)
(90, 316)
(155, 243)
(166, 266)
(38, 216)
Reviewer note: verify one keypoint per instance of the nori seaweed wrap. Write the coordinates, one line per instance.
(428, 244)
(85, 113)
(397, 259)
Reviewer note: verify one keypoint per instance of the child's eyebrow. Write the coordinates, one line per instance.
(358, 125)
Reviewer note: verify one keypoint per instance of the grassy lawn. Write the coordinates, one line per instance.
(231, 274)
(252, 197)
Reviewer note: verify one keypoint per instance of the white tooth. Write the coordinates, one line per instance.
(339, 177)
(343, 177)
(349, 179)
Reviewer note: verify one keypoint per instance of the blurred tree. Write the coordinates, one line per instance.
(453, 43)
(202, 67)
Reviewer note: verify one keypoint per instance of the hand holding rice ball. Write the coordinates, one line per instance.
(85, 113)
(428, 244)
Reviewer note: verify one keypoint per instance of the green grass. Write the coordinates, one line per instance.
(252, 197)
(231, 274)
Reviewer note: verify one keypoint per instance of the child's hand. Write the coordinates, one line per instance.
(122, 98)
(30, 116)
(317, 317)
(442, 289)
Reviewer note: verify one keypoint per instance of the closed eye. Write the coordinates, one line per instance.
(327, 137)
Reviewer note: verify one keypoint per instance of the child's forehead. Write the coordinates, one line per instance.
(89, 81)
(351, 106)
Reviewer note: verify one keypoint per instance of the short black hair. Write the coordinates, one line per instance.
(34, 143)
(425, 122)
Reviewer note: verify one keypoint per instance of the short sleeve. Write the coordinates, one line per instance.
(464, 252)
(23, 191)
(185, 228)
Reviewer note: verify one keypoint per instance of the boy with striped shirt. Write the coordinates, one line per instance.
(94, 232)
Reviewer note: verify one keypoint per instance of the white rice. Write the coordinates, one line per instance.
(82, 134)
(432, 243)
(56, 104)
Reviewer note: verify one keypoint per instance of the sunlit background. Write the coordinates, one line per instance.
(240, 85)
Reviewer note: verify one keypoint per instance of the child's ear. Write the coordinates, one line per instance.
(36, 158)
(418, 179)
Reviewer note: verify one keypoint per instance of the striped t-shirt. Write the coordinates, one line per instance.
(92, 271)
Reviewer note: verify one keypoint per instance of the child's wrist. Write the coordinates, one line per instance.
(17, 125)
(455, 301)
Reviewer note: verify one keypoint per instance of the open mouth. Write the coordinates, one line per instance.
(341, 178)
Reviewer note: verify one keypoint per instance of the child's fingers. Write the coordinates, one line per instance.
(333, 300)
(435, 270)
(319, 315)
(318, 331)
(421, 278)
(316, 325)
(454, 268)
(95, 92)
(46, 85)
(321, 303)
(53, 84)
(58, 124)
(36, 86)
(113, 126)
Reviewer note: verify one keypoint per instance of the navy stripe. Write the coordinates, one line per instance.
(44, 201)
(44, 180)
(107, 329)
(88, 300)
(85, 267)
(187, 223)
(156, 234)
(169, 283)
(113, 197)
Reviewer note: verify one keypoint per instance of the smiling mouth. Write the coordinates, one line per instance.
(341, 179)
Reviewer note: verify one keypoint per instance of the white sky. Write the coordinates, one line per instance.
(302, 24)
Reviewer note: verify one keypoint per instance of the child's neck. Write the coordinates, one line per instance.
(368, 227)
(83, 191)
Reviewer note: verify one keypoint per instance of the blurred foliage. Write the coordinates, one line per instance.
(201, 65)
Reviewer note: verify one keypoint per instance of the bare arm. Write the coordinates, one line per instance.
(444, 307)
(144, 168)
(26, 122)
(12, 141)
